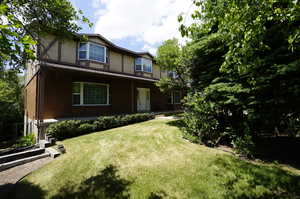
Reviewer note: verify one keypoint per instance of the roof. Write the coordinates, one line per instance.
(116, 46)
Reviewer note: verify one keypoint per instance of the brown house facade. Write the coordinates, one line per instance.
(82, 79)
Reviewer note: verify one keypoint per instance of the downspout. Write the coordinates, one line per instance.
(40, 99)
(37, 104)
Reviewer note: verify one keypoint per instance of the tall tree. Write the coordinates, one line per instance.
(252, 84)
(171, 57)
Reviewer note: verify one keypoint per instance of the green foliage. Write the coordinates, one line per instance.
(22, 21)
(73, 128)
(168, 54)
(11, 102)
(244, 68)
(28, 140)
(86, 128)
(244, 145)
(170, 57)
(64, 129)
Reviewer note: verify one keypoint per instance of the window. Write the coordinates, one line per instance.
(76, 93)
(174, 97)
(143, 64)
(138, 64)
(92, 51)
(172, 74)
(90, 93)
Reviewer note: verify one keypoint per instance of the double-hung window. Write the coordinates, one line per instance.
(143, 64)
(85, 93)
(92, 51)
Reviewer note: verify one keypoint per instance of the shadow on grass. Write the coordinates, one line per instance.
(25, 189)
(246, 180)
(178, 123)
(283, 150)
(105, 185)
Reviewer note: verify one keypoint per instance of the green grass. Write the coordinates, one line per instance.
(151, 160)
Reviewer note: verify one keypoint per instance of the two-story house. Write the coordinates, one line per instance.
(76, 79)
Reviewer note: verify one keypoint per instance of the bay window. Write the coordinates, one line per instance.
(85, 93)
(92, 51)
(143, 64)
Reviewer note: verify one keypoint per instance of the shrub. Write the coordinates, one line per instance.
(72, 128)
(64, 129)
(107, 122)
(28, 140)
(244, 145)
(86, 128)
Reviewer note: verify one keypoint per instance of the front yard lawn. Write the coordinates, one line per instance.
(151, 160)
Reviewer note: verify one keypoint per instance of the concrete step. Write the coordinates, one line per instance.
(45, 143)
(8, 165)
(20, 155)
(53, 153)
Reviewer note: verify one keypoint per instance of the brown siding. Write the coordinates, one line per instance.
(30, 98)
(58, 95)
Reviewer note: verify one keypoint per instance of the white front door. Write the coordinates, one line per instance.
(143, 99)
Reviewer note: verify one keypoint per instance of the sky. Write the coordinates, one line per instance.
(138, 25)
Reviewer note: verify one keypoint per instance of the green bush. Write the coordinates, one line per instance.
(86, 128)
(73, 128)
(64, 129)
(28, 140)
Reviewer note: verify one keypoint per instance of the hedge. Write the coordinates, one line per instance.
(73, 128)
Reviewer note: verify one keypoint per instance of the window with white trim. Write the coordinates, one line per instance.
(174, 97)
(92, 51)
(143, 64)
(85, 93)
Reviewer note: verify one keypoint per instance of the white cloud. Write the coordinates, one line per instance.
(150, 49)
(149, 21)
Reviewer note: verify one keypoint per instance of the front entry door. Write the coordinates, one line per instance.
(143, 99)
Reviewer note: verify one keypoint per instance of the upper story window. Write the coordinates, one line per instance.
(172, 74)
(92, 51)
(143, 64)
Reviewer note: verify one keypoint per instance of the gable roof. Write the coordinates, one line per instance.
(116, 47)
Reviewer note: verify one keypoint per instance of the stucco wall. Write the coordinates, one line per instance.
(115, 61)
(97, 40)
(68, 51)
(156, 71)
(128, 64)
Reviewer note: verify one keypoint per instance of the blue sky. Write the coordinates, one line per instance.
(139, 25)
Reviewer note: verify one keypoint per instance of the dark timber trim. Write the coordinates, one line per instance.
(49, 46)
(122, 63)
(59, 50)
